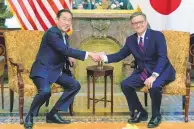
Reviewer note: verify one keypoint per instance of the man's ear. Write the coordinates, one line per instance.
(56, 20)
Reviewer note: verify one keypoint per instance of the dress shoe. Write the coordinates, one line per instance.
(139, 116)
(28, 123)
(154, 122)
(55, 118)
(132, 114)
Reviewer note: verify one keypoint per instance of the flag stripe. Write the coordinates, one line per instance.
(23, 17)
(32, 14)
(53, 5)
(68, 2)
(42, 15)
(17, 14)
(49, 9)
(63, 3)
(47, 14)
(58, 4)
(26, 13)
(37, 15)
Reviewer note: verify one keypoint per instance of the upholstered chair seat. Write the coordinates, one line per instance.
(29, 88)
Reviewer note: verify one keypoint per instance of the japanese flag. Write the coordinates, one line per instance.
(168, 14)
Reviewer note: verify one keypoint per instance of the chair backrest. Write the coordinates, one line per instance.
(178, 49)
(22, 46)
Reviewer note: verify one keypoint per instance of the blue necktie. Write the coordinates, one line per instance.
(144, 73)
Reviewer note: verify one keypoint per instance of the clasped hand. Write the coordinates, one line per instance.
(96, 57)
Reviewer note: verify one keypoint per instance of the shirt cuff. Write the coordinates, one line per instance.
(105, 59)
(155, 74)
(86, 56)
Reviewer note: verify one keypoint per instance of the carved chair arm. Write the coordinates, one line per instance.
(20, 69)
(2, 59)
(191, 54)
(188, 74)
(2, 64)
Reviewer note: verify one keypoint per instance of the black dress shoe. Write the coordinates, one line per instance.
(154, 122)
(28, 123)
(139, 116)
(132, 114)
(55, 118)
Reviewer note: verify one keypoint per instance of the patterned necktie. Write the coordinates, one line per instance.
(141, 45)
(144, 73)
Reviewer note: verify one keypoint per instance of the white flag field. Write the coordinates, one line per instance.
(168, 14)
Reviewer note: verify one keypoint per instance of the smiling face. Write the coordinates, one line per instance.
(139, 24)
(64, 21)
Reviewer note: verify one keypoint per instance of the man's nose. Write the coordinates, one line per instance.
(67, 22)
(138, 25)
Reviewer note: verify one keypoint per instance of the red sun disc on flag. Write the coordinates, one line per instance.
(165, 7)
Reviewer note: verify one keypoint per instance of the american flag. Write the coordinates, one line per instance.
(37, 14)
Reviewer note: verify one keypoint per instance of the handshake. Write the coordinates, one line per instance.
(96, 56)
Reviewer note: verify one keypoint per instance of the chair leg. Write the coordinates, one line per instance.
(187, 97)
(11, 95)
(2, 90)
(183, 102)
(146, 99)
(47, 102)
(71, 109)
(21, 105)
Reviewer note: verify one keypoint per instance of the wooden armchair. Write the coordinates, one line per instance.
(178, 53)
(21, 49)
(2, 65)
(192, 50)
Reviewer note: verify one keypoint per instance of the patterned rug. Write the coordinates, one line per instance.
(171, 109)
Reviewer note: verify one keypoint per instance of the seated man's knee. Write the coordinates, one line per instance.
(155, 89)
(76, 86)
(125, 85)
(45, 92)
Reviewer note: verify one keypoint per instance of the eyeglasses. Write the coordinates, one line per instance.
(137, 23)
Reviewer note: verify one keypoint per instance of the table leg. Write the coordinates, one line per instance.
(105, 88)
(2, 90)
(111, 77)
(88, 79)
(93, 95)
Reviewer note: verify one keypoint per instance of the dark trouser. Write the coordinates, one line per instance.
(68, 83)
(129, 86)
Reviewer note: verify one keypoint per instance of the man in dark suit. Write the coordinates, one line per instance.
(48, 68)
(153, 68)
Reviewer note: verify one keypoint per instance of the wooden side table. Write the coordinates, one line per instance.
(94, 72)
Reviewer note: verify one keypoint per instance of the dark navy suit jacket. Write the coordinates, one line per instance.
(52, 55)
(154, 58)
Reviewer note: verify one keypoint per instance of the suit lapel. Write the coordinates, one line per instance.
(67, 39)
(61, 36)
(146, 39)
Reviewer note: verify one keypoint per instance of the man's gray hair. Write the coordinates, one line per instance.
(137, 14)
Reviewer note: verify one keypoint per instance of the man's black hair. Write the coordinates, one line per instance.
(63, 10)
